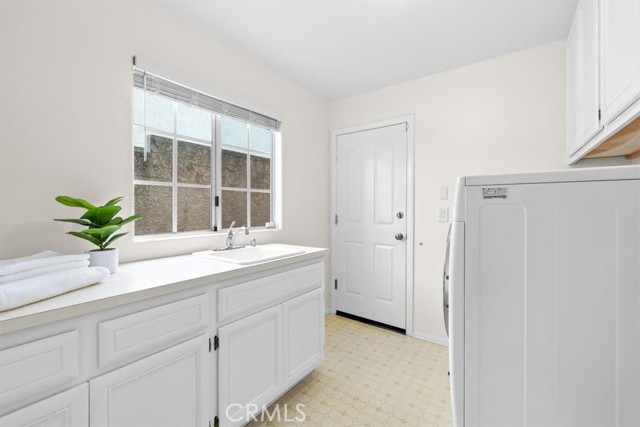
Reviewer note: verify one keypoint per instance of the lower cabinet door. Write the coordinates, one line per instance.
(67, 409)
(303, 335)
(249, 365)
(169, 388)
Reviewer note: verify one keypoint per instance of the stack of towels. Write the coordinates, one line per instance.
(44, 275)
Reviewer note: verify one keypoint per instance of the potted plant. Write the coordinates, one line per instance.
(101, 223)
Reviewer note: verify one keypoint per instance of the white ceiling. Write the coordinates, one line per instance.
(343, 48)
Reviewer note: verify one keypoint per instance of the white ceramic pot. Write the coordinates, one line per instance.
(107, 259)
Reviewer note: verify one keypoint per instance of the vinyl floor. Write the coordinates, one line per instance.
(370, 377)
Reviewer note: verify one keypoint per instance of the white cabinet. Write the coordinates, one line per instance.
(620, 56)
(249, 365)
(264, 354)
(169, 389)
(67, 409)
(38, 368)
(303, 335)
(129, 337)
(152, 362)
(603, 80)
(583, 120)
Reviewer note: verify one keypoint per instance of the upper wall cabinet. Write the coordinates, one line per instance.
(620, 53)
(582, 77)
(603, 80)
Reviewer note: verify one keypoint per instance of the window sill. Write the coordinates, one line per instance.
(193, 235)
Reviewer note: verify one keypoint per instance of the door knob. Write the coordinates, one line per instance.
(399, 236)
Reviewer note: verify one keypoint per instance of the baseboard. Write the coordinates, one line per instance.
(431, 338)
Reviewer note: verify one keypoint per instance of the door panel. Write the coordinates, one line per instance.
(168, 389)
(371, 189)
(620, 56)
(303, 335)
(383, 275)
(67, 409)
(249, 365)
(583, 103)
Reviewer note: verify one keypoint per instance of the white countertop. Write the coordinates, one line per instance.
(139, 280)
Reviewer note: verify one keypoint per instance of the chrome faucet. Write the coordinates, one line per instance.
(233, 234)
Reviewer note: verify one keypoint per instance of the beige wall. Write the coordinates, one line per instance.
(66, 126)
(66, 120)
(501, 115)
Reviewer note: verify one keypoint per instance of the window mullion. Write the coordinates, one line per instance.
(248, 175)
(218, 171)
(175, 170)
(272, 167)
(214, 172)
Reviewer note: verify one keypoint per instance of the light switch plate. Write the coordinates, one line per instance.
(444, 193)
(443, 214)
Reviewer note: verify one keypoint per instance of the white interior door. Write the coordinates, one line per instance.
(371, 195)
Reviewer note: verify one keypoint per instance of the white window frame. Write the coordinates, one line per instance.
(216, 226)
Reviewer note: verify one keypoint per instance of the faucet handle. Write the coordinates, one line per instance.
(232, 224)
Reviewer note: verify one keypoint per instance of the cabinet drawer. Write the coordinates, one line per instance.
(38, 368)
(67, 409)
(246, 298)
(138, 334)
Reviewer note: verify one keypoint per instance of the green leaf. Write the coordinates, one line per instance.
(130, 219)
(92, 239)
(116, 221)
(102, 233)
(116, 236)
(114, 201)
(74, 203)
(101, 215)
(77, 221)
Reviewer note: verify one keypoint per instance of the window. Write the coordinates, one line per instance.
(199, 163)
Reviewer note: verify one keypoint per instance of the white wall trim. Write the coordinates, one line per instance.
(409, 119)
(431, 338)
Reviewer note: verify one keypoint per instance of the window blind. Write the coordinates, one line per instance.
(161, 86)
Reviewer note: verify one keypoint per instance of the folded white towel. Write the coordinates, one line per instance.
(26, 291)
(43, 259)
(43, 270)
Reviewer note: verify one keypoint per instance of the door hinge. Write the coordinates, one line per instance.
(599, 114)
(335, 284)
(217, 201)
(335, 220)
(216, 421)
(406, 126)
(209, 345)
(216, 342)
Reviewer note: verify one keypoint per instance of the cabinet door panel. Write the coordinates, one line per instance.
(36, 369)
(67, 409)
(303, 335)
(168, 389)
(249, 365)
(583, 102)
(620, 56)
